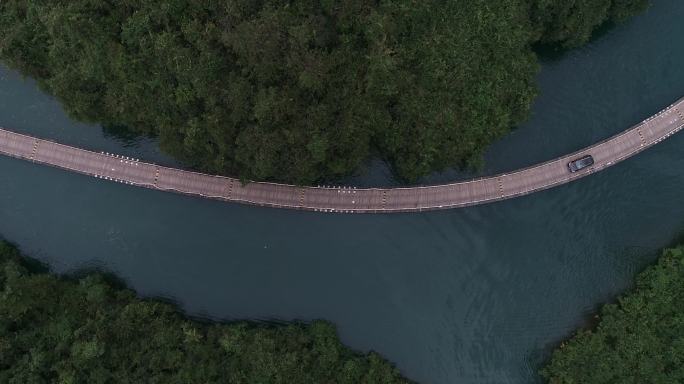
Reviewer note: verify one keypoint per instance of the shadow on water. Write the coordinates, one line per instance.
(31, 264)
(553, 52)
(123, 134)
(679, 240)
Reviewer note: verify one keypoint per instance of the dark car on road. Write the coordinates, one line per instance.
(582, 162)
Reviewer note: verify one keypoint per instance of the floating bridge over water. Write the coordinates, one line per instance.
(345, 199)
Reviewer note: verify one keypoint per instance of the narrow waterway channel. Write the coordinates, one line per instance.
(475, 295)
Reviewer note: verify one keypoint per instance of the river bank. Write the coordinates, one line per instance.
(638, 336)
(476, 296)
(86, 329)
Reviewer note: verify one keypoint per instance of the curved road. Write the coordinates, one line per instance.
(344, 199)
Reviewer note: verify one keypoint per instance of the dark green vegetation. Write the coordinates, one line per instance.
(54, 330)
(640, 339)
(299, 90)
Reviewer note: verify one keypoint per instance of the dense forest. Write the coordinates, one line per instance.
(639, 339)
(299, 90)
(87, 330)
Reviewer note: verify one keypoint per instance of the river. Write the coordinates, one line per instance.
(475, 295)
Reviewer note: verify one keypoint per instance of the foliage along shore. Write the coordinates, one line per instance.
(639, 339)
(86, 330)
(300, 90)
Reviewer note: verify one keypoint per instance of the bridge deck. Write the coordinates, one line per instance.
(344, 199)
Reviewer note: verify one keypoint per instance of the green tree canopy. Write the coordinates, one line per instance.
(299, 90)
(54, 330)
(639, 339)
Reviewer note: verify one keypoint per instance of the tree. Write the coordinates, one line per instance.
(639, 339)
(299, 90)
(86, 330)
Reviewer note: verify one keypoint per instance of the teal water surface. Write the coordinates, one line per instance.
(476, 295)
